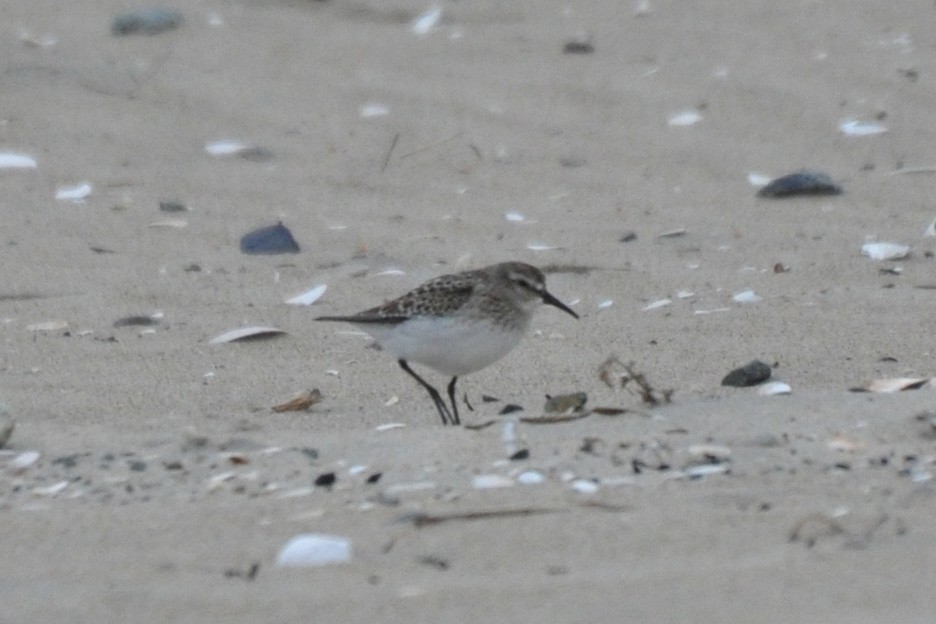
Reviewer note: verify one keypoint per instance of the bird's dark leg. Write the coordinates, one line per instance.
(436, 397)
(451, 392)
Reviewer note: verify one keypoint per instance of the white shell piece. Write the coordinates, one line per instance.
(309, 297)
(705, 470)
(657, 304)
(607, 303)
(685, 294)
(931, 229)
(247, 332)
(314, 549)
(747, 296)
(175, 224)
(584, 486)
(374, 110)
(77, 193)
(225, 147)
(50, 490)
(389, 426)
(514, 217)
(530, 477)
(685, 118)
(772, 388)
(541, 247)
(898, 383)
(853, 127)
(758, 179)
(47, 326)
(885, 251)
(489, 481)
(11, 160)
(24, 460)
(424, 23)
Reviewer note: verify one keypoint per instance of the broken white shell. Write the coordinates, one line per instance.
(685, 118)
(747, 296)
(885, 251)
(659, 303)
(11, 160)
(247, 333)
(772, 388)
(424, 23)
(489, 481)
(313, 550)
(853, 127)
(77, 193)
(309, 297)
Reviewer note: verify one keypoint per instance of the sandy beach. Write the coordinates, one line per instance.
(617, 145)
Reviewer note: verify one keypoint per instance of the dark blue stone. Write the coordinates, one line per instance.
(274, 239)
(801, 183)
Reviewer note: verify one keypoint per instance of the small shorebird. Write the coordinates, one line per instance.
(458, 324)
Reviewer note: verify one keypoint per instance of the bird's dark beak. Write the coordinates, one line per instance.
(548, 298)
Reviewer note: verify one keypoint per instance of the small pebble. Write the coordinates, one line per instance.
(275, 239)
(750, 374)
(801, 183)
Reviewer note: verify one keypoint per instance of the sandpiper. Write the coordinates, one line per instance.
(457, 324)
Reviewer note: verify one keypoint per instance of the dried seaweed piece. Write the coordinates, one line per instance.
(302, 402)
(420, 520)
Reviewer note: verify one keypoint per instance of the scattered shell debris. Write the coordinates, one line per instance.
(254, 332)
(885, 251)
(47, 326)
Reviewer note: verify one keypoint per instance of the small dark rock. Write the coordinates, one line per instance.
(801, 183)
(274, 239)
(69, 461)
(520, 455)
(628, 236)
(374, 478)
(750, 374)
(146, 22)
(326, 479)
(172, 206)
(578, 46)
(139, 466)
(510, 408)
(139, 320)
